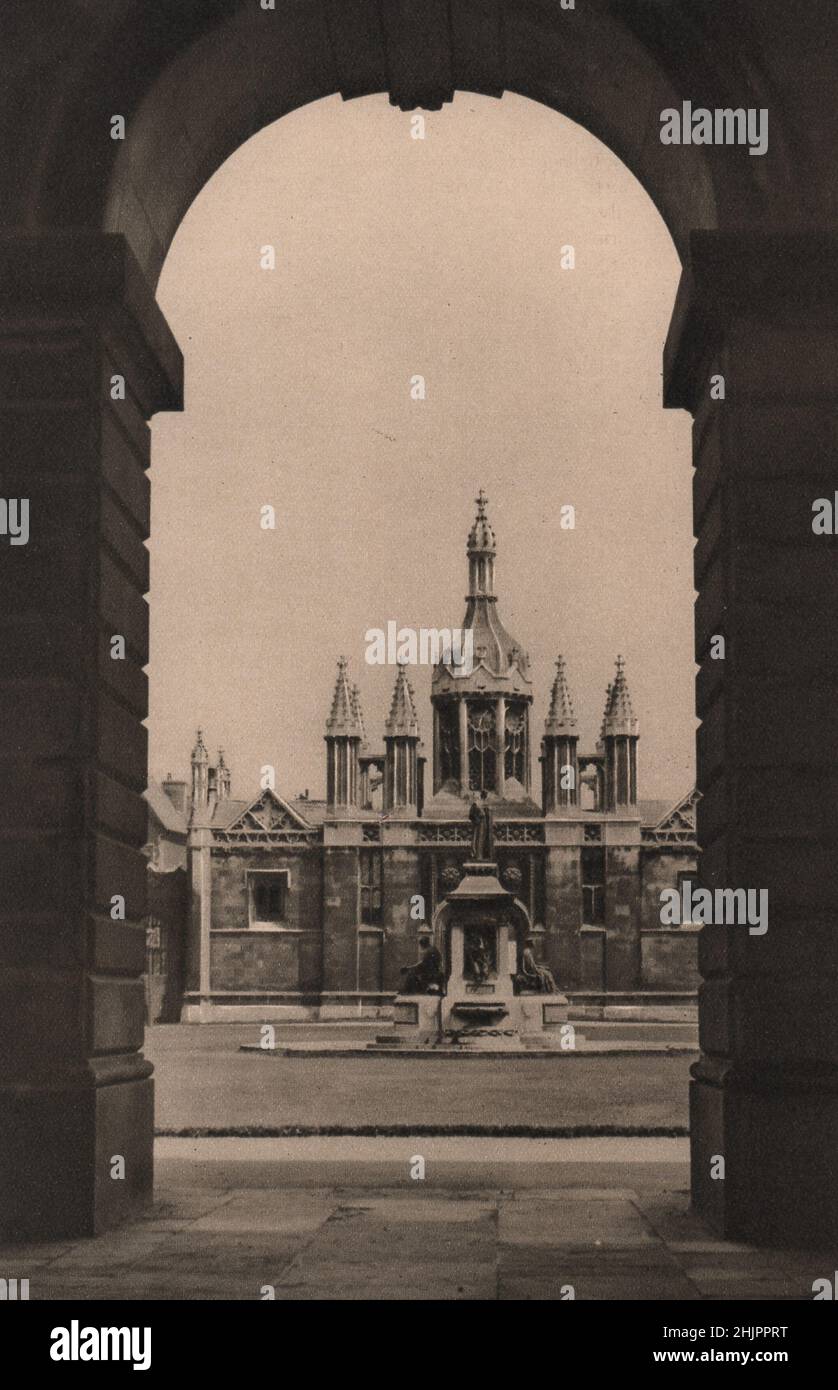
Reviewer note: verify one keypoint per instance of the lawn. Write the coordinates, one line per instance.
(203, 1081)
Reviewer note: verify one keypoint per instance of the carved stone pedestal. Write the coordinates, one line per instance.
(416, 1019)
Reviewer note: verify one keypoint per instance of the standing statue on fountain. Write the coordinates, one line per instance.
(482, 829)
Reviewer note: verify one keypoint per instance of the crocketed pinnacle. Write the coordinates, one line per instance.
(481, 538)
(359, 713)
(344, 717)
(403, 717)
(619, 715)
(561, 718)
(499, 664)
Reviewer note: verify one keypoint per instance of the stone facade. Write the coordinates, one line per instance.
(167, 900)
(307, 908)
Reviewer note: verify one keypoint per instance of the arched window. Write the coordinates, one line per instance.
(516, 742)
(481, 747)
(449, 743)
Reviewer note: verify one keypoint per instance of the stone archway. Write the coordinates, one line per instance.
(86, 224)
(440, 929)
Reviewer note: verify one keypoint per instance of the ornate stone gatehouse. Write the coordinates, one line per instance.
(305, 908)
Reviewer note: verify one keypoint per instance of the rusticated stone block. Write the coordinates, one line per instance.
(75, 1090)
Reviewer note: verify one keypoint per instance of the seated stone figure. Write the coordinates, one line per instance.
(426, 975)
(477, 960)
(534, 978)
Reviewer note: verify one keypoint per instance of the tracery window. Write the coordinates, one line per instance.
(516, 742)
(481, 747)
(449, 743)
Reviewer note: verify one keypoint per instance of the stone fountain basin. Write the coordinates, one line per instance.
(479, 1010)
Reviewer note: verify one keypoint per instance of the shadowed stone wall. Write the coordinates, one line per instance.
(194, 80)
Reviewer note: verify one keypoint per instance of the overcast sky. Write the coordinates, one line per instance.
(397, 257)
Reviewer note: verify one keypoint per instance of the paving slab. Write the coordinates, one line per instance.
(350, 1237)
(111, 1251)
(314, 1277)
(430, 1210)
(579, 1224)
(287, 1213)
(501, 1219)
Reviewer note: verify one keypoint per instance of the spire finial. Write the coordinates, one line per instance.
(359, 713)
(223, 776)
(619, 716)
(561, 716)
(481, 539)
(344, 717)
(403, 717)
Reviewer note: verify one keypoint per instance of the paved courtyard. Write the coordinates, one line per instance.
(203, 1081)
(343, 1219)
(494, 1215)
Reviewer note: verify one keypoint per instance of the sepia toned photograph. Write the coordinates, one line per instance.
(418, 424)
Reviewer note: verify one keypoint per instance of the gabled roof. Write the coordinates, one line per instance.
(675, 824)
(314, 812)
(652, 812)
(267, 811)
(681, 815)
(308, 812)
(226, 811)
(164, 810)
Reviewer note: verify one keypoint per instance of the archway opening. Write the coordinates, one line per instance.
(193, 82)
(533, 304)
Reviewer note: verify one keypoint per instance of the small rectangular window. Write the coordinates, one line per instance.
(267, 898)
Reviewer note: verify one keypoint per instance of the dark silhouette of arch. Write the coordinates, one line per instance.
(86, 222)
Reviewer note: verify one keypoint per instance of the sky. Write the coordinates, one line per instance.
(397, 257)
